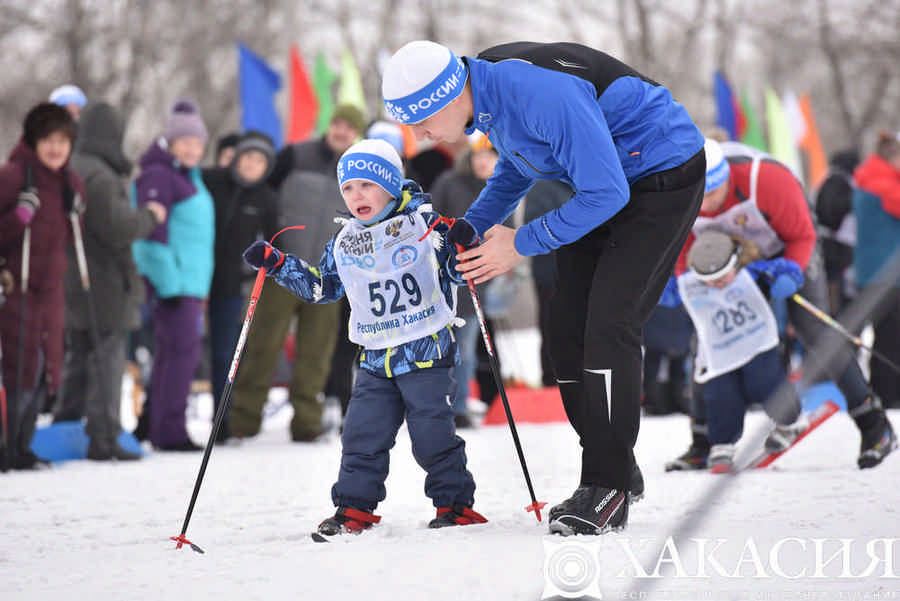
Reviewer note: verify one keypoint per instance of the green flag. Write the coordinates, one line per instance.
(781, 138)
(753, 134)
(350, 90)
(323, 82)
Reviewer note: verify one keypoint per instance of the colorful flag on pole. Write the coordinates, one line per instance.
(781, 136)
(323, 81)
(817, 161)
(729, 114)
(258, 85)
(350, 90)
(304, 105)
(753, 133)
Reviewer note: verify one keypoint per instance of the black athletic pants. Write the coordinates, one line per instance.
(609, 282)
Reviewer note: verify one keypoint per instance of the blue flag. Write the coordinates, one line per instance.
(725, 113)
(259, 84)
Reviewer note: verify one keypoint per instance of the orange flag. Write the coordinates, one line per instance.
(811, 143)
(304, 106)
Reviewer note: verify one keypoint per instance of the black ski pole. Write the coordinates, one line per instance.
(15, 403)
(181, 539)
(4, 415)
(498, 380)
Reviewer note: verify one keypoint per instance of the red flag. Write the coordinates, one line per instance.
(304, 105)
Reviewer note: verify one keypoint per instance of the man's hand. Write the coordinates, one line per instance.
(496, 255)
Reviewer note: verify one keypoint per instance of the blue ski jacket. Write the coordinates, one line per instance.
(581, 117)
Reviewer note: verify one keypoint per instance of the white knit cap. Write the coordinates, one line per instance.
(420, 79)
(717, 169)
(375, 161)
(712, 255)
(389, 132)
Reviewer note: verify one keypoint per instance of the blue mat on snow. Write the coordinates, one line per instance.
(817, 394)
(63, 441)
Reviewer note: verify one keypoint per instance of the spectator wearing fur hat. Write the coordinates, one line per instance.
(246, 208)
(71, 98)
(111, 225)
(177, 261)
(321, 155)
(38, 190)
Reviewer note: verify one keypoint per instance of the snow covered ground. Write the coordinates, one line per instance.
(808, 528)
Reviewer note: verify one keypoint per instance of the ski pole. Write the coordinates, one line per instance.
(14, 407)
(81, 260)
(4, 415)
(825, 317)
(495, 370)
(226, 394)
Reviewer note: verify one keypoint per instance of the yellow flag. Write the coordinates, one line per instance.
(781, 137)
(350, 90)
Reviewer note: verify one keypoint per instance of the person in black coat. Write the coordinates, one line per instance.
(836, 223)
(92, 377)
(246, 210)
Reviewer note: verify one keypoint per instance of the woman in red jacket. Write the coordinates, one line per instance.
(37, 191)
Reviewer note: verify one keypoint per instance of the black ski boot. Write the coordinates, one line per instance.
(457, 515)
(636, 490)
(346, 519)
(697, 455)
(877, 443)
(590, 510)
(878, 437)
(636, 487)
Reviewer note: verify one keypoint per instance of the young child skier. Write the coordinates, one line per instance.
(400, 281)
(737, 337)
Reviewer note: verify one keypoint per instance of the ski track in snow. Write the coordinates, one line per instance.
(85, 530)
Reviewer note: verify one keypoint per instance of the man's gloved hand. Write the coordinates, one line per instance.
(74, 203)
(27, 204)
(783, 287)
(462, 233)
(255, 256)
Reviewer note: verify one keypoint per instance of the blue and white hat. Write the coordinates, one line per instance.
(717, 169)
(420, 79)
(389, 132)
(374, 161)
(68, 94)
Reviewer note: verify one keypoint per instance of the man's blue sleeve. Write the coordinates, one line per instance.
(499, 197)
(317, 285)
(571, 122)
